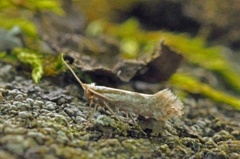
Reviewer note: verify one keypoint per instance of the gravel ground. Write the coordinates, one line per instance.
(47, 121)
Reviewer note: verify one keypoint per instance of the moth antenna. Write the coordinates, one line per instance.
(74, 74)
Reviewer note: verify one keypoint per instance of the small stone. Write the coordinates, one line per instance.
(13, 93)
(25, 115)
(21, 106)
(39, 152)
(61, 137)
(222, 136)
(60, 119)
(19, 97)
(14, 112)
(80, 113)
(1, 127)
(69, 112)
(50, 105)
(5, 71)
(26, 106)
(14, 143)
(6, 155)
(17, 104)
(80, 119)
(37, 104)
(13, 130)
(236, 133)
(44, 111)
(30, 101)
(49, 131)
(19, 78)
(13, 107)
(1, 97)
(61, 100)
(39, 137)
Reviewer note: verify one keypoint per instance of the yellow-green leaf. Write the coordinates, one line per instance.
(192, 85)
(32, 58)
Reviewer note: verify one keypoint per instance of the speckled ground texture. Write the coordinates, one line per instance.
(47, 121)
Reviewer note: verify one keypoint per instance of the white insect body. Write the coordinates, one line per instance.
(160, 106)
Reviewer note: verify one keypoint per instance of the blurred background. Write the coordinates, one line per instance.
(206, 33)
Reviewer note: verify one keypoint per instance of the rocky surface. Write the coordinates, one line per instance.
(48, 121)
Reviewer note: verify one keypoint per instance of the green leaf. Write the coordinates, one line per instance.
(211, 58)
(192, 85)
(32, 58)
(49, 5)
(26, 26)
(32, 5)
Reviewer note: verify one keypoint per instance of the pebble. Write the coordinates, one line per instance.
(13, 92)
(61, 100)
(1, 97)
(44, 111)
(25, 115)
(222, 136)
(80, 119)
(39, 137)
(14, 130)
(4, 71)
(30, 101)
(19, 97)
(39, 152)
(38, 104)
(6, 155)
(80, 113)
(69, 112)
(2, 126)
(50, 105)
(49, 131)
(17, 104)
(13, 107)
(61, 137)
(14, 143)
(60, 119)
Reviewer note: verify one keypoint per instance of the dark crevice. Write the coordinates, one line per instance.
(155, 14)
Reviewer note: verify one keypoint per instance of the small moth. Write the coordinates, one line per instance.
(159, 106)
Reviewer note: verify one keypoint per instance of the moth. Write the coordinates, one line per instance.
(159, 106)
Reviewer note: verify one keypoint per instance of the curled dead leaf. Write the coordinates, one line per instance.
(163, 63)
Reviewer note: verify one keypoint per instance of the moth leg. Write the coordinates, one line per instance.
(136, 124)
(94, 109)
(111, 111)
(90, 113)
